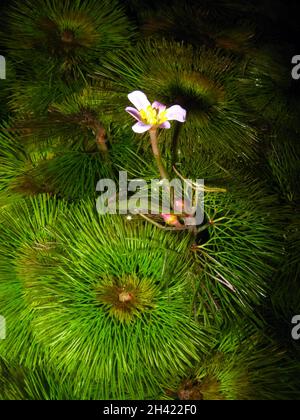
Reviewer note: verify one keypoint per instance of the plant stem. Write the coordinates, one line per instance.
(175, 143)
(89, 119)
(101, 139)
(162, 170)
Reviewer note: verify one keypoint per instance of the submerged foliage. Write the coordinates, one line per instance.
(64, 38)
(96, 290)
(202, 81)
(238, 369)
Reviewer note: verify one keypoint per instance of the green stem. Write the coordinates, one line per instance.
(175, 143)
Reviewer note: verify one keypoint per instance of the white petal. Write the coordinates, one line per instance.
(139, 99)
(134, 112)
(177, 113)
(141, 127)
(159, 106)
(166, 124)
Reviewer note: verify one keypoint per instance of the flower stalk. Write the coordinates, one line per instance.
(155, 149)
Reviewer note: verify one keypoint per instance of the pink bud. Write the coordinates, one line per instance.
(171, 219)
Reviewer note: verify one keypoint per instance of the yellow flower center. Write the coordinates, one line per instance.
(171, 219)
(153, 116)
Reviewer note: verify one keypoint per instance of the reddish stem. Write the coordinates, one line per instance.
(162, 170)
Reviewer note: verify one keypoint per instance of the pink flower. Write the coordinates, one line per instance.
(150, 116)
(171, 219)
